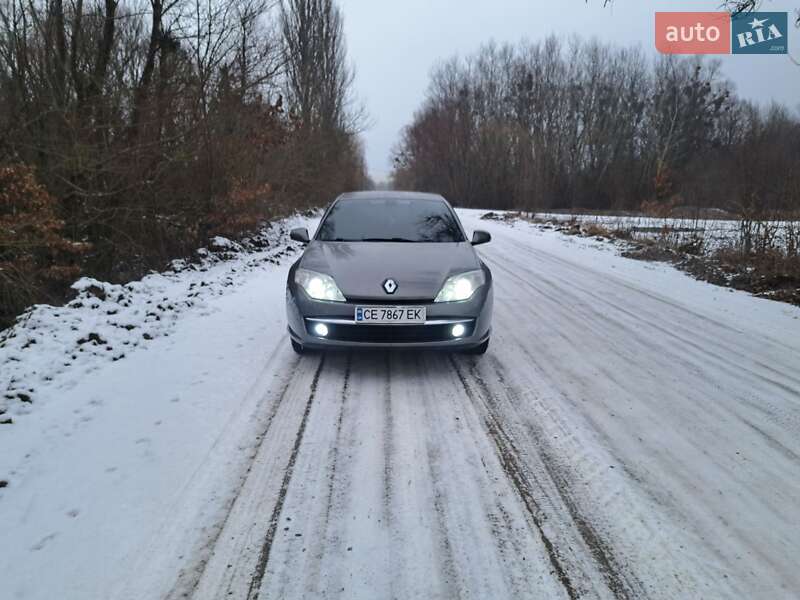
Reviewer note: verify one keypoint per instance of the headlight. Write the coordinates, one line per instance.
(461, 287)
(318, 285)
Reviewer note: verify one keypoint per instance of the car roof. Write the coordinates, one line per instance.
(389, 195)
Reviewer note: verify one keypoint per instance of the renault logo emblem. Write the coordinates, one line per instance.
(390, 285)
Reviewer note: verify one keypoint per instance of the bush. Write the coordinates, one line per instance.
(37, 261)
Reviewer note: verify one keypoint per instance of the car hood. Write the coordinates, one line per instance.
(360, 268)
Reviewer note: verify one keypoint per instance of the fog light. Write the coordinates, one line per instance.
(321, 329)
(459, 330)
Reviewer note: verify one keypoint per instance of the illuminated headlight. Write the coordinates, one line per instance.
(318, 285)
(321, 329)
(459, 330)
(461, 287)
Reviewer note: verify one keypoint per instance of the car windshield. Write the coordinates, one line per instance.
(390, 220)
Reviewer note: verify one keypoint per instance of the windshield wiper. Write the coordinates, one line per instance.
(394, 239)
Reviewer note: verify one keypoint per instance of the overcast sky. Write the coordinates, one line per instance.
(395, 43)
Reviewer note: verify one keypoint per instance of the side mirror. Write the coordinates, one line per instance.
(300, 235)
(481, 237)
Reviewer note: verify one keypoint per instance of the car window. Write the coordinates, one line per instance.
(390, 219)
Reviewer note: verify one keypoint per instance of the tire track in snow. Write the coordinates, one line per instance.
(482, 507)
(733, 370)
(469, 496)
(685, 470)
(263, 558)
(635, 511)
(447, 555)
(440, 537)
(650, 319)
(194, 572)
(334, 535)
(691, 357)
(233, 562)
(388, 463)
(515, 470)
(339, 543)
(334, 452)
(388, 445)
(782, 411)
(659, 300)
(621, 583)
(212, 542)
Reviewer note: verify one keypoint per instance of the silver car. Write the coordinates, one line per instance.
(390, 269)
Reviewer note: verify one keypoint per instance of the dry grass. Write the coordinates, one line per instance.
(596, 230)
(758, 258)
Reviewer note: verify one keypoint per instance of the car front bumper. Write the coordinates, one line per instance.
(474, 314)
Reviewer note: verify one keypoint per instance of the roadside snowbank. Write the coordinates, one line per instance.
(51, 348)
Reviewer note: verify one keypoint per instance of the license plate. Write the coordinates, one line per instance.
(390, 315)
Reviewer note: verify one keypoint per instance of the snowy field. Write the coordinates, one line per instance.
(715, 233)
(632, 433)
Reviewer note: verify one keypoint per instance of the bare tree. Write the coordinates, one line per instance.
(150, 125)
(585, 125)
(319, 79)
(736, 7)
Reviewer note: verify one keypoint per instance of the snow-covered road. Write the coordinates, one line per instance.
(632, 433)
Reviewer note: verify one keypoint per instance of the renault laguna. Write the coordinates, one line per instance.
(390, 269)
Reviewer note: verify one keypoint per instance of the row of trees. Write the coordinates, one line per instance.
(132, 130)
(590, 125)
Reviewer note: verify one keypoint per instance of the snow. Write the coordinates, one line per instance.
(709, 300)
(715, 233)
(222, 243)
(51, 348)
(631, 433)
(107, 444)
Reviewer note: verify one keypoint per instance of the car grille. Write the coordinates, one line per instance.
(390, 301)
(391, 334)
